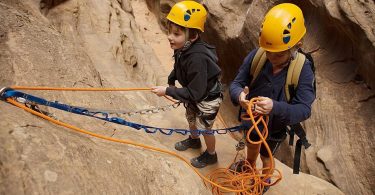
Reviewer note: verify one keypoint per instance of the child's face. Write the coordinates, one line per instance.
(176, 36)
(278, 59)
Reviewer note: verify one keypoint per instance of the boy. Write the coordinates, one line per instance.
(196, 69)
(281, 33)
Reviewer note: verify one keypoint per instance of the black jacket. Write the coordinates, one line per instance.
(196, 70)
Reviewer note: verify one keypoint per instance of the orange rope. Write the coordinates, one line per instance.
(10, 100)
(85, 89)
(222, 180)
(250, 180)
(79, 89)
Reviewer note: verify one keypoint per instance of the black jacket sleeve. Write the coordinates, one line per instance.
(196, 87)
(172, 78)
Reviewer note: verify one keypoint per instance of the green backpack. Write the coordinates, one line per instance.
(291, 83)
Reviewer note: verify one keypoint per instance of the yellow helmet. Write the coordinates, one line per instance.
(282, 28)
(189, 14)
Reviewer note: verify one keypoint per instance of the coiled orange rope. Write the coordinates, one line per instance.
(250, 180)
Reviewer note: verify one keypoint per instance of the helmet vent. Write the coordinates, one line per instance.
(186, 17)
(286, 39)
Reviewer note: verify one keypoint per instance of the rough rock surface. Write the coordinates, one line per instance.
(115, 43)
(341, 38)
(81, 44)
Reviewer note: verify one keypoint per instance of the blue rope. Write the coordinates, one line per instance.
(10, 93)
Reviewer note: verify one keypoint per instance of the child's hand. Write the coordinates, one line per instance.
(263, 106)
(242, 98)
(159, 90)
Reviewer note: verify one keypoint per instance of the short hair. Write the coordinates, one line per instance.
(192, 31)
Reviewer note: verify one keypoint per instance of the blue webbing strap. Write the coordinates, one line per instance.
(105, 116)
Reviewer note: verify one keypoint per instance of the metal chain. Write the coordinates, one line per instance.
(119, 112)
(145, 111)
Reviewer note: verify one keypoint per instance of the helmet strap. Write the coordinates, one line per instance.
(187, 34)
(187, 43)
(293, 52)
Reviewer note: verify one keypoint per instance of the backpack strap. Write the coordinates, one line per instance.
(294, 71)
(291, 84)
(302, 141)
(257, 64)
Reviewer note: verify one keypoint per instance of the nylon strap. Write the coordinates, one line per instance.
(257, 64)
(10, 93)
(294, 72)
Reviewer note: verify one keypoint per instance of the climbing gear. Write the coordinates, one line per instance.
(204, 159)
(57, 122)
(215, 92)
(283, 27)
(137, 112)
(2, 92)
(302, 141)
(242, 166)
(267, 187)
(294, 71)
(251, 181)
(240, 145)
(235, 185)
(211, 97)
(188, 143)
(78, 89)
(189, 14)
(105, 116)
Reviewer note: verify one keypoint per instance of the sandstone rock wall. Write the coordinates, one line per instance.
(81, 44)
(341, 38)
(99, 43)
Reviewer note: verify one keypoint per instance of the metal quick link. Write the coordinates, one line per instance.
(2, 92)
(240, 145)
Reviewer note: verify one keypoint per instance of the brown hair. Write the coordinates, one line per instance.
(192, 31)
